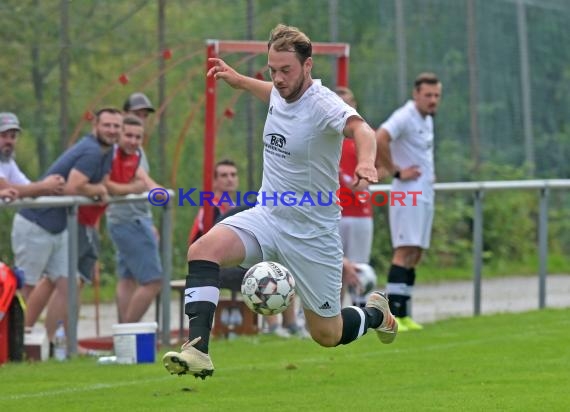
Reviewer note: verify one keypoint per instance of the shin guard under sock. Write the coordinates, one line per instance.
(200, 300)
(356, 321)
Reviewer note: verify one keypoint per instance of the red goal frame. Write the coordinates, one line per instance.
(213, 49)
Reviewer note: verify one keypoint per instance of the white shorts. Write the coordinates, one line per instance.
(315, 263)
(411, 225)
(356, 234)
(38, 252)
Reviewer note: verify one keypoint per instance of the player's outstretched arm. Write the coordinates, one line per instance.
(363, 136)
(383, 153)
(221, 70)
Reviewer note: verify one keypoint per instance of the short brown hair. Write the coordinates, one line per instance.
(111, 110)
(427, 78)
(132, 120)
(289, 38)
(224, 162)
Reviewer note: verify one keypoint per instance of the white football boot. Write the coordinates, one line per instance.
(189, 361)
(388, 329)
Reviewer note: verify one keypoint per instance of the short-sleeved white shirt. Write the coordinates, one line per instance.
(412, 144)
(11, 172)
(302, 145)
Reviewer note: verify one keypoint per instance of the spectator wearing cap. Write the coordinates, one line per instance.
(139, 105)
(12, 178)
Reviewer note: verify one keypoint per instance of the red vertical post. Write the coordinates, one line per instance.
(342, 71)
(209, 136)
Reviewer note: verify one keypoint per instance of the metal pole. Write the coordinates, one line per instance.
(166, 257)
(161, 83)
(542, 246)
(72, 307)
(477, 250)
(401, 47)
(64, 63)
(333, 33)
(472, 58)
(525, 87)
(250, 120)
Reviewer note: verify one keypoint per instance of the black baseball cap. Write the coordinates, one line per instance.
(138, 101)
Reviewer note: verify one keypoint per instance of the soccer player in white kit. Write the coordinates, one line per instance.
(301, 142)
(405, 150)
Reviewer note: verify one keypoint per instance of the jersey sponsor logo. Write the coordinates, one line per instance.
(277, 140)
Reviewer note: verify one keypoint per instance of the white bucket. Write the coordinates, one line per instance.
(135, 342)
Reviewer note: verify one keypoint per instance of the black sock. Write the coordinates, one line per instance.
(410, 282)
(201, 298)
(411, 276)
(375, 317)
(356, 321)
(398, 280)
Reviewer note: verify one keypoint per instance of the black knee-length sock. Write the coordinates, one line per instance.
(202, 294)
(356, 321)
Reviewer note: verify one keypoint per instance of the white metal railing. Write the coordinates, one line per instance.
(478, 189)
(71, 203)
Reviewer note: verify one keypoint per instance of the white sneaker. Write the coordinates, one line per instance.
(388, 329)
(189, 360)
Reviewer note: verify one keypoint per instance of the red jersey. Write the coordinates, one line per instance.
(123, 170)
(347, 167)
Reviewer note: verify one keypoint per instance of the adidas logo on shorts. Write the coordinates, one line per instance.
(325, 306)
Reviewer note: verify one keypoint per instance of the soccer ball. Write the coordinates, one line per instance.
(366, 276)
(268, 288)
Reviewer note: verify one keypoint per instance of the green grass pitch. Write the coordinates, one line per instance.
(489, 363)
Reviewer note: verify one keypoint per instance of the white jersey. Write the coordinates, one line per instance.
(302, 145)
(12, 174)
(412, 144)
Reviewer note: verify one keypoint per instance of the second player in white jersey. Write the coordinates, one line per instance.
(411, 145)
(405, 150)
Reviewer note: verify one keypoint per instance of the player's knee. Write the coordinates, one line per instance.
(199, 249)
(325, 337)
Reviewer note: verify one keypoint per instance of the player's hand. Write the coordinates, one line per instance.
(221, 70)
(410, 173)
(365, 172)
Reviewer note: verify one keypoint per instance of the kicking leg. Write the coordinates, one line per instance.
(220, 246)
